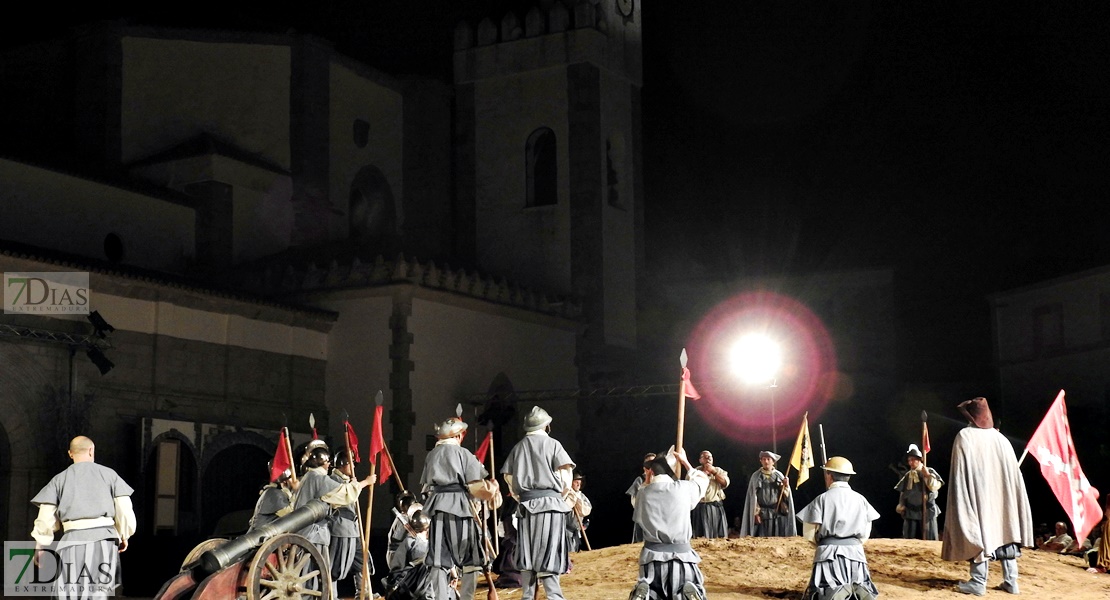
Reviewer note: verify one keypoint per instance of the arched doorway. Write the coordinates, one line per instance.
(23, 453)
(373, 215)
(229, 487)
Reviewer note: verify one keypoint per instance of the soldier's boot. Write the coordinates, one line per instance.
(691, 592)
(977, 586)
(1009, 576)
(640, 592)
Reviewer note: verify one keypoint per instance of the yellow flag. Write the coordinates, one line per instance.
(802, 457)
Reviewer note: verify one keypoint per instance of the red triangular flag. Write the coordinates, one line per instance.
(377, 447)
(688, 386)
(281, 458)
(1052, 446)
(483, 448)
(925, 438)
(352, 442)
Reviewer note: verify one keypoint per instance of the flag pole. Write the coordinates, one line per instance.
(924, 472)
(790, 462)
(396, 476)
(1024, 453)
(493, 475)
(681, 412)
(289, 452)
(378, 399)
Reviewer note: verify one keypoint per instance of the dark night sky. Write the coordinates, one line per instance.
(963, 146)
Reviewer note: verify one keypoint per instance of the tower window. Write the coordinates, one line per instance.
(542, 169)
(614, 163)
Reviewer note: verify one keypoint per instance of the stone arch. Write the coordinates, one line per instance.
(499, 413)
(233, 469)
(373, 213)
(23, 380)
(171, 434)
(541, 168)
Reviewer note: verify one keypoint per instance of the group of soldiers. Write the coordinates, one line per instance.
(440, 547)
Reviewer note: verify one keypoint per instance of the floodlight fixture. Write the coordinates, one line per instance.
(97, 357)
(99, 324)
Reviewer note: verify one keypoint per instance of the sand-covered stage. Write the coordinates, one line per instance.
(779, 568)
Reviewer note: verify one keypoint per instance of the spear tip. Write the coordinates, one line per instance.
(682, 358)
(924, 416)
(378, 398)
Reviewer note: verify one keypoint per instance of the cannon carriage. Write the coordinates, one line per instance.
(271, 563)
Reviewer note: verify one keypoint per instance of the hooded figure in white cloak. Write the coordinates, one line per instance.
(988, 506)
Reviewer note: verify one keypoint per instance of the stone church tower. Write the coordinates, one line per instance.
(548, 160)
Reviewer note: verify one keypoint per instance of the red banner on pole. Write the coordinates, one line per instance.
(377, 445)
(352, 442)
(281, 458)
(483, 448)
(688, 386)
(1052, 446)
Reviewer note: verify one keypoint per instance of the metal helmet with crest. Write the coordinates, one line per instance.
(451, 427)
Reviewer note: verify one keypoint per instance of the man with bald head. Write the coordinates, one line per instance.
(91, 504)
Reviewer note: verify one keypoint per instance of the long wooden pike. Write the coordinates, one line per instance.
(378, 399)
(682, 359)
(924, 472)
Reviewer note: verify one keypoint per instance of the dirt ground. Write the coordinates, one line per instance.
(779, 568)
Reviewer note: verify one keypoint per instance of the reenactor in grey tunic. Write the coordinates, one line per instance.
(768, 505)
(838, 522)
(451, 477)
(406, 506)
(92, 505)
(406, 563)
(917, 497)
(273, 501)
(346, 539)
(709, 518)
(316, 484)
(579, 519)
(668, 565)
(637, 532)
(539, 471)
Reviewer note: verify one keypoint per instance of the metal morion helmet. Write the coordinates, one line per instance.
(839, 464)
(419, 521)
(450, 428)
(318, 457)
(537, 419)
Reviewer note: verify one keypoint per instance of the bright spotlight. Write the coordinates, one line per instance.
(755, 358)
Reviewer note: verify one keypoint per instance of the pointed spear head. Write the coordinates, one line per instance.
(682, 358)
(311, 420)
(346, 417)
(458, 410)
(924, 416)
(378, 398)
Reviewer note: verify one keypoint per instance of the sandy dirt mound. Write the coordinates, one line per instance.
(779, 568)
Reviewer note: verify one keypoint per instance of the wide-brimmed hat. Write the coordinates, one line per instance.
(839, 464)
(771, 455)
(914, 451)
(978, 412)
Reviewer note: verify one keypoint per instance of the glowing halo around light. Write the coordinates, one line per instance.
(779, 329)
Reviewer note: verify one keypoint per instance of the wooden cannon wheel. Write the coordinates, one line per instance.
(288, 567)
(201, 548)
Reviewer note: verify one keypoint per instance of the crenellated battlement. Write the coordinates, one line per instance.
(552, 33)
(292, 280)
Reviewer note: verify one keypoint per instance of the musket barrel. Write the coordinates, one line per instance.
(234, 550)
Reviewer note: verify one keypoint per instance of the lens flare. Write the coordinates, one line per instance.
(759, 348)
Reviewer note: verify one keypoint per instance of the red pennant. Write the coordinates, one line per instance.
(483, 448)
(352, 442)
(281, 458)
(377, 447)
(688, 386)
(925, 438)
(1052, 446)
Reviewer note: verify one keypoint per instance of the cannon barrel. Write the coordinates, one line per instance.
(234, 550)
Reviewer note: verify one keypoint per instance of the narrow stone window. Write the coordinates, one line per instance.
(542, 169)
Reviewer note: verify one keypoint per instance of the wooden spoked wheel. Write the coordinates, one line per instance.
(201, 548)
(288, 567)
